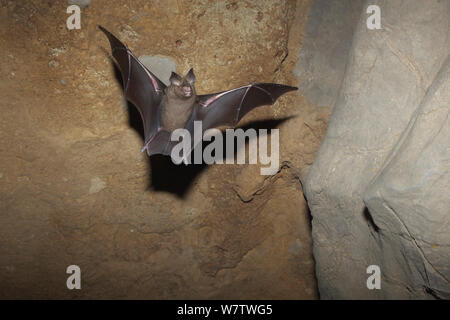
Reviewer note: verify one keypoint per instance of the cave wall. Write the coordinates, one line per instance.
(76, 190)
(378, 188)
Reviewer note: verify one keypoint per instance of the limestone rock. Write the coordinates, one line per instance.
(384, 127)
(81, 3)
(249, 182)
(321, 65)
(409, 198)
(160, 66)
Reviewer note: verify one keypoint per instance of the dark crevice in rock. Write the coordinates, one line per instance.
(370, 221)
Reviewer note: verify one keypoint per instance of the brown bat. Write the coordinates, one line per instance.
(166, 108)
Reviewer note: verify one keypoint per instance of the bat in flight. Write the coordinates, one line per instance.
(166, 108)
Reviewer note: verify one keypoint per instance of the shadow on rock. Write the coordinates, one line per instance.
(177, 179)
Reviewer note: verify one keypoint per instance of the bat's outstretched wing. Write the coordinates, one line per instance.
(143, 89)
(227, 108)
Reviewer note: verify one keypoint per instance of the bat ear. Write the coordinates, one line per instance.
(190, 76)
(175, 79)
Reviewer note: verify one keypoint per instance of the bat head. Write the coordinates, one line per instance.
(183, 87)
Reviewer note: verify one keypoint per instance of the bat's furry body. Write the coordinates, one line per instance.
(178, 102)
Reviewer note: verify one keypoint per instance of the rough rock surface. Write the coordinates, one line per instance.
(161, 67)
(409, 198)
(387, 147)
(329, 33)
(74, 188)
(81, 3)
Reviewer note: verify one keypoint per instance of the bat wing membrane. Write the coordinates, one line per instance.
(141, 87)
(229, 107)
